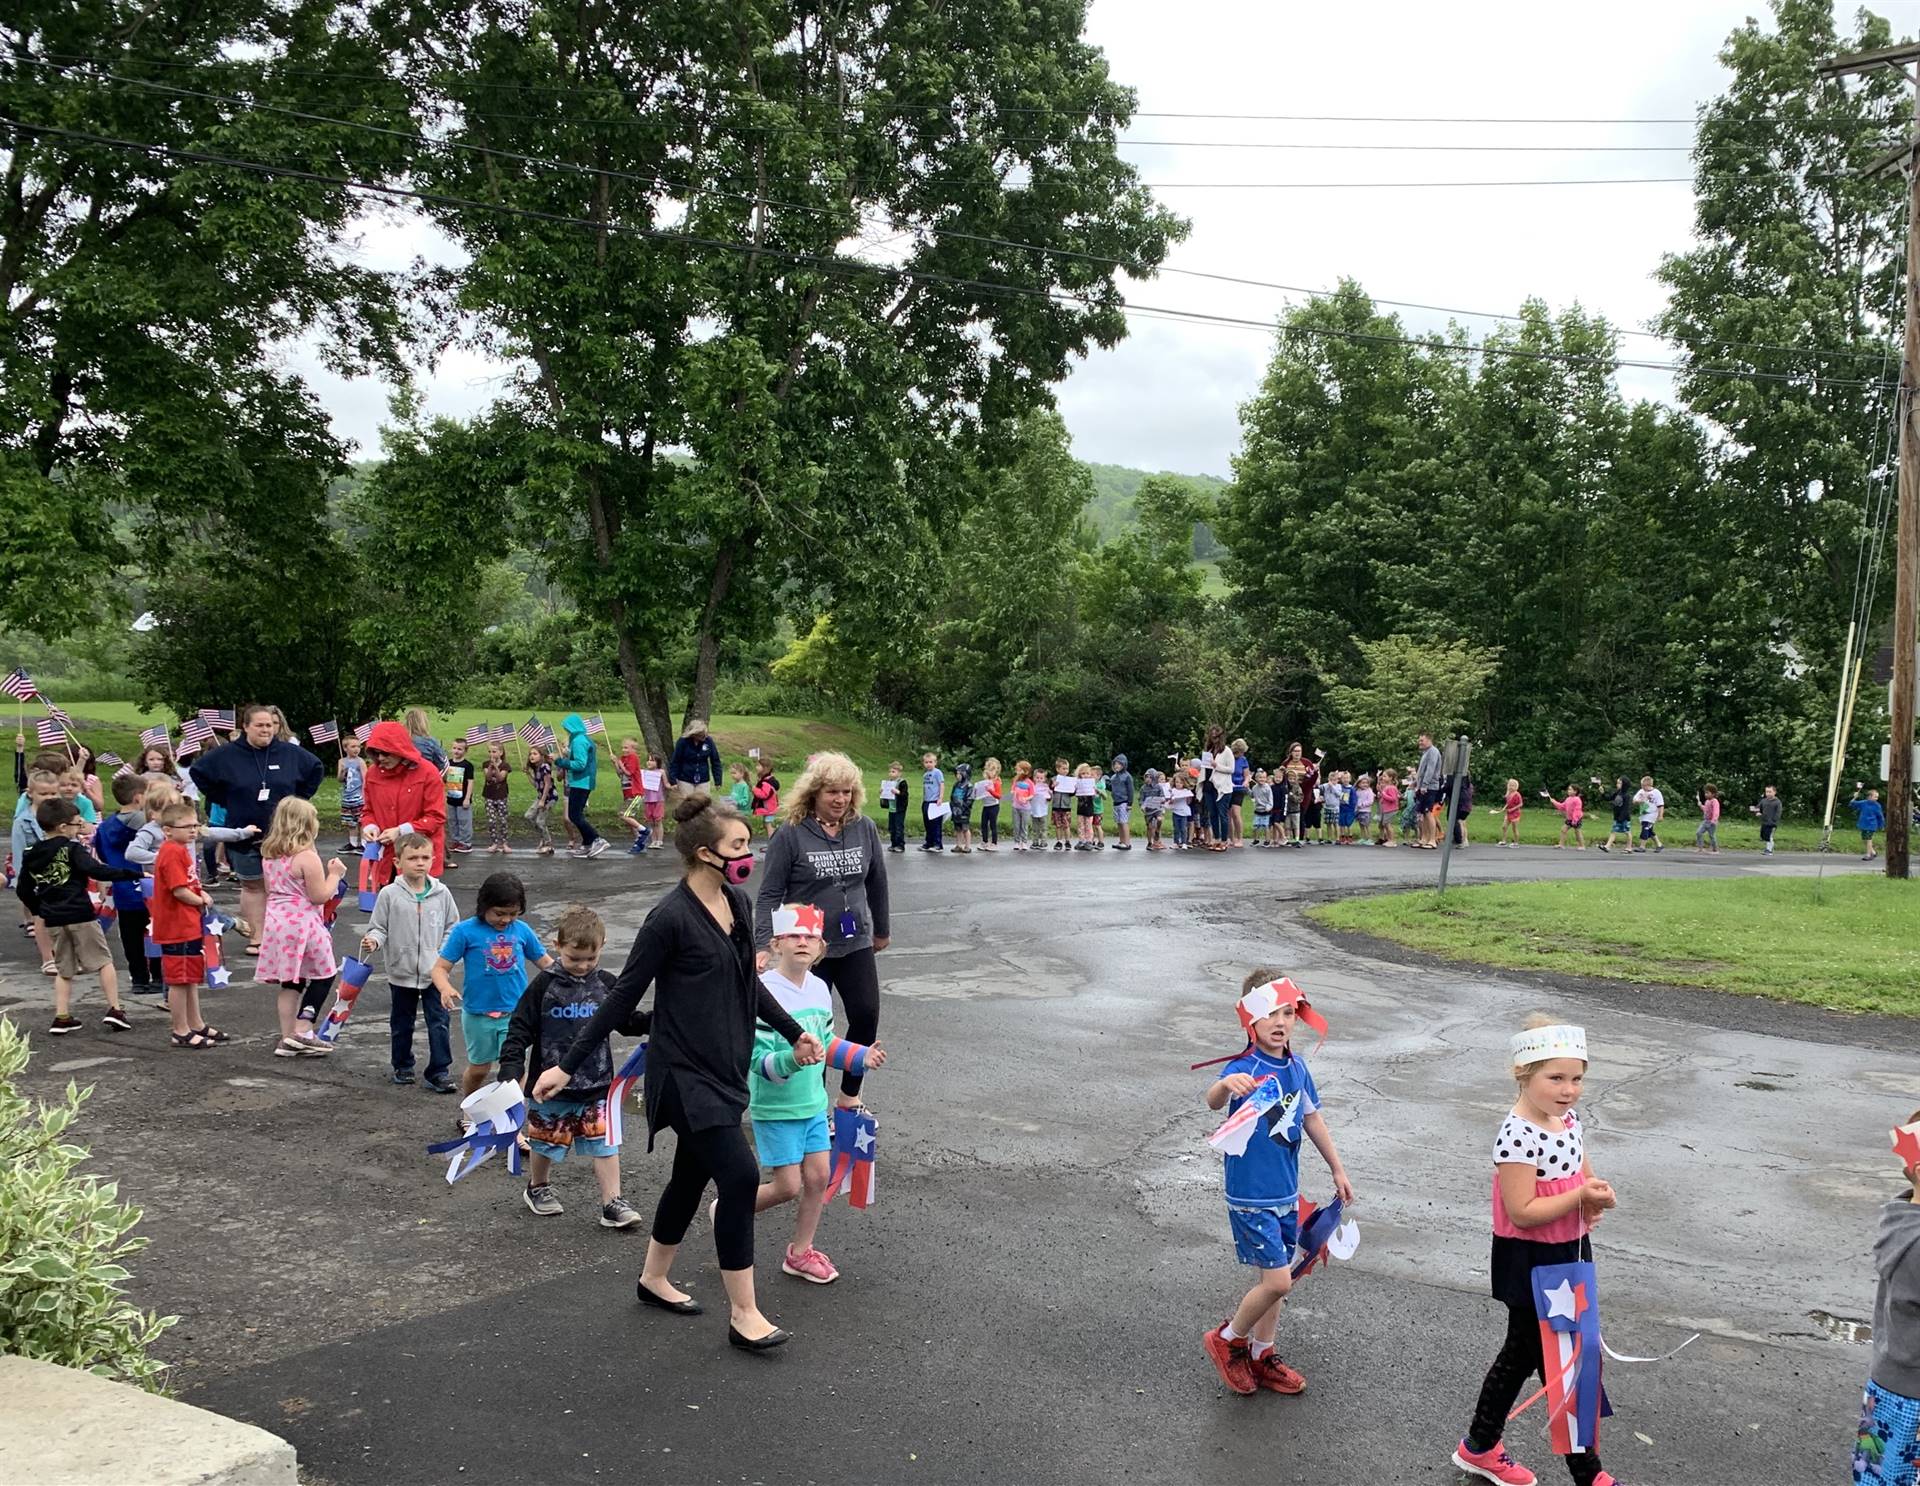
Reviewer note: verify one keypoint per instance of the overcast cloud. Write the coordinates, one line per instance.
(1168, 397)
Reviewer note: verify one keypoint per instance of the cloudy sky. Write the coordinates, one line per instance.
(1168, 398)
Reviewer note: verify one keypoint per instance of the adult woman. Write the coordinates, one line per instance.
(1295, 772)
(829, 855)
(1236, 813)
(696, 950)
(1217, 794)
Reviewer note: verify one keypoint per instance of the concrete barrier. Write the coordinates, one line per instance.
(60, 1427)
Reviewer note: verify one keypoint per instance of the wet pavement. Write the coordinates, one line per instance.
(1025, 1301)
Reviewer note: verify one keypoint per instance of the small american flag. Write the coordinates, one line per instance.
(479, 733)
(58, 715)
(111, 760)
(596, 726)
(548, 740)
(51, 734)
(196, 731)
(153, 737)
(120, 773)
(533, 732)
(325, 732)
(503, 733)
(19, 684)
(364, 731)
(220, 718)
(187, 749)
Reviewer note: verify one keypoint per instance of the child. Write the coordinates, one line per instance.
(1509, 810)
(1363, 798)
(653, 789)
(296, 947)
(896, 803)
(1622, 801)
(1120, 791)
(551, 1014)
(1653, 808)
(960, 804)
(1086, 790)
(540, 773)
(1348, 808)
(351, 771)
(113, 838)
(1389, 805)
(1182, 810)
(53, 880)
(766, 797)
(1064, 793)
(1768, 810)
(1153, 806)
(179, 906)
(494, 946)
(990, 796)
(41, 785)
(1263, 1185)
(412, 918)
(1099, 805)
(1572, 811)
(1885, 1450)
(633, 817)
(1042, 808)
(1868, 816)
(496, 777)
(144, 849)
(1545, 1198)
(1262, 808)
(933, 789)
(789, 1103)
(1709, 828)
(1332, 792)
(1022, 803)
(741, 793)
(459, 777)
(627, 763)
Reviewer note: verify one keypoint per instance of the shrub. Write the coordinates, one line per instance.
(62, 1237)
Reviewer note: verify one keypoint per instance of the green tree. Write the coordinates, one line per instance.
(1409, 685)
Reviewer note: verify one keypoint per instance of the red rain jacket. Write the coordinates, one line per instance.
(411, 795)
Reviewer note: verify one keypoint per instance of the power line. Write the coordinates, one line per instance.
(1651, 180)
(847, 265)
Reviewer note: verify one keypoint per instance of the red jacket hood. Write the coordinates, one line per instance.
(390, 737)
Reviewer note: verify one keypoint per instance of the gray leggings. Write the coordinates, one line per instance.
(1708, 831)
(537, 818)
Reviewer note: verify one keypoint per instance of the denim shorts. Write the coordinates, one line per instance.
(1265, 1237)
(1260, 820)
(1122, 813)
(787, 1142)
(244, 860)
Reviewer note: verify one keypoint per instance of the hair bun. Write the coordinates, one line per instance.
(693, 805)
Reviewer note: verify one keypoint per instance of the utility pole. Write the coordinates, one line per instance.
(1906, 538)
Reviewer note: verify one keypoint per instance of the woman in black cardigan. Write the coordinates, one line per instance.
(696, 949)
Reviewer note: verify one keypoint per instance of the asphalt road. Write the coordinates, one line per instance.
(1025, 1302)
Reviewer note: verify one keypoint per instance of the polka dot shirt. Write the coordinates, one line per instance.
(1554, 1154)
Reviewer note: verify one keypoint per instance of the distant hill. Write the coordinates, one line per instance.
(1114, 487)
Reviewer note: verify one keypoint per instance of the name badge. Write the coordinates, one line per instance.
(273, 766)
(264, 795)
(849, 925)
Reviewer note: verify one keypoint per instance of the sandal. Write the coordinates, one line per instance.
(212, 1034)
(50, 968)
(253, 949)
(188, 1039)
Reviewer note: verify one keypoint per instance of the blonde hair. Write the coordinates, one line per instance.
(990, 769)
(43, 778)
(1522, 1072)
(161, 793)
(824, 771)
(295, 827)
(579, 927)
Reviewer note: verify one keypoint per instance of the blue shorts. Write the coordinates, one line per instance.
(1619, 828)
(1122, 813)
(1265, 1237)
(1260, 819)
(485, 1035)
(1884, 1450)
(245, 860)
(787, 1142)
(557, 1127)
(1646, 830)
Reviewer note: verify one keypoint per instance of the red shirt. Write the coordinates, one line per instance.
(1514, 803)
(174, 922)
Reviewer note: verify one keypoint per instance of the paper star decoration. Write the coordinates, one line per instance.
(219, 978)
(1906, 1144)
(1560, 1301)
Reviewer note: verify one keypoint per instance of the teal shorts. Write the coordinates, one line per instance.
(789, 1142)
(485, 1035)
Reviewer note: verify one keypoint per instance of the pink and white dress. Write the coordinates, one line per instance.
(295, 943)
(1556, 1157)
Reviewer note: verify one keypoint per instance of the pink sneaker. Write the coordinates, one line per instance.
(812, 1266)
(1493, 1464)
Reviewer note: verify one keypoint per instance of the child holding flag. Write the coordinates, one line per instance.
(352, 774)
(788, 1102)
(1263, 1185)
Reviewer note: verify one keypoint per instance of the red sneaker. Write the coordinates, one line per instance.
(1275, 1376)
(1233, 1361)
(1493, 1464)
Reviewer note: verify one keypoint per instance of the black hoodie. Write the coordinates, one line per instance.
(54, 877)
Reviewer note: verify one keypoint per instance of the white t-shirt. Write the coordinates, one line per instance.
(1652, 802)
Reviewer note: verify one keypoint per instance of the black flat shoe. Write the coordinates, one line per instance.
(774, 1338)
(688, 1307)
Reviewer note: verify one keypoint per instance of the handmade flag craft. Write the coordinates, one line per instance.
(213, 928)
(1566, 1297)
(1262, 1002)
(103, 909)
(353, 980)
(19, 685)
(853, 1151)
(1324, 1232)
(630, 1073)
(369, 874)
(153, 737)
(50, 733)
(324, 732)
(493, 1114)
(848, 1057)
(148, 947)
(1906, 1144)
(1232, 1136)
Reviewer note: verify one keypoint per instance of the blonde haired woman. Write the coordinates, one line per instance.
(830, 855)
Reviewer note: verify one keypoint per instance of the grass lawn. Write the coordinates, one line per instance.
(1850, 943)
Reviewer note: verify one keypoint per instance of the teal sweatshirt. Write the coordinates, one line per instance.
(777, 1088)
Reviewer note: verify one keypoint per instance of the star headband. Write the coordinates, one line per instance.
(1906, 1144)
(1537, 1044)
(1264, 1001)
(799, 918)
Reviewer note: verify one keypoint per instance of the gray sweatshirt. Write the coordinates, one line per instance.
(1896, 1304)
(411, 930)
(839, 875)
(145, 847)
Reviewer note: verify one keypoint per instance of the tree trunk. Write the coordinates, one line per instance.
(646, 694)
(707, 657)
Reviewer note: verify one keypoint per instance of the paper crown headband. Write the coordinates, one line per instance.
(799, 918)
(1537, 1044)
(1264, 1001)
(1906, 1144)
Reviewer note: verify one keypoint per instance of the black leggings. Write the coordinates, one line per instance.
(1519, 1359)
(141, 970)
(721, 1155)
(857, 978)
(990, 825)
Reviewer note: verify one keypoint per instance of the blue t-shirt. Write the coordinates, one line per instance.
(932, 782)
(1868, 815)
(1269, 1174)
(495, 960)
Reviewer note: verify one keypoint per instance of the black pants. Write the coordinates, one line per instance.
(990, 825)
(141, 971)
(897, 829)
(313, 995)
(1519, 1359)
(719, 1155)
(857, 978)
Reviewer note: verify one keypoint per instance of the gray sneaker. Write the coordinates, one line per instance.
(619, 1213)
(599, 846)
(541, 1202)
